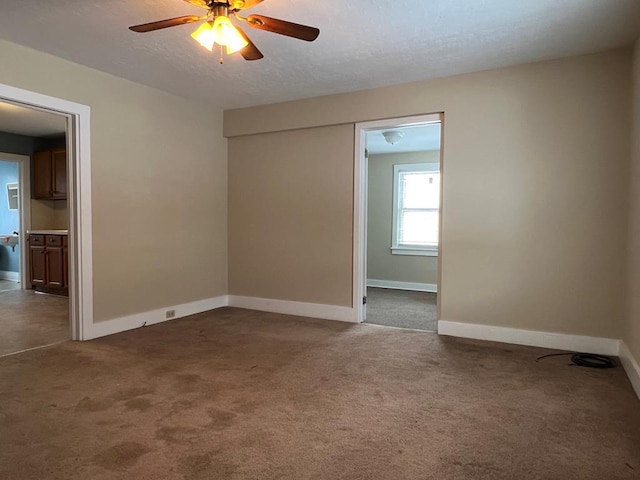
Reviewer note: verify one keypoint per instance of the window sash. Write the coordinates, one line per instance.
(422, 234)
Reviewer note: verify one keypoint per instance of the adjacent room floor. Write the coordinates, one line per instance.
(29, 320)
(402, 308)
(238, 394)
(7, 285)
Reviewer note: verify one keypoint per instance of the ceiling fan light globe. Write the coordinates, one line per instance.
(225, 33)
(236, 48)
(205, 35)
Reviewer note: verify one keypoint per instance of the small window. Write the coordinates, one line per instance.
(13, 196)
(416, 206)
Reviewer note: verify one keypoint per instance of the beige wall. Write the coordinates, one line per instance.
(158, 185)
(631, 335)
(49, 215)
(535, 192)
(381, 264)
(290, 215)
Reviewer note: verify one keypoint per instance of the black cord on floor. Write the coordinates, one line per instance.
(590, 360)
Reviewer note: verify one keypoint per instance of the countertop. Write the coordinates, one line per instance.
(48, 232)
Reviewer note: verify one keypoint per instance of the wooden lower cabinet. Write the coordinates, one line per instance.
(38, 266)
(49, 270)
(55, 269)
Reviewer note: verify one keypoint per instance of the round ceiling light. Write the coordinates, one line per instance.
(393, 136)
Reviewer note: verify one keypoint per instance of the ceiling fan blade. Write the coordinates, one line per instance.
(171, 22)
(282, 27)
(199, 3)
(243, 4)
(250, 52)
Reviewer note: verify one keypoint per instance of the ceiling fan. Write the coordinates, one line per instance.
(218, 29)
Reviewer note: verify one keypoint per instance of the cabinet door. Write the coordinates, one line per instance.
(59, 175)
(55, 271)
(38, 265)
(42, 174)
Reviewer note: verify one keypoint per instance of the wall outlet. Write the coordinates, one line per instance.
(170, 314)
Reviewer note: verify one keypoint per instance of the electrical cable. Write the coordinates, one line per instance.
(590, 360)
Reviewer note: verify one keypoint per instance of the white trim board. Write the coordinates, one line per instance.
(11, 276)
(559, 341)
(631, 367)
(392, 284)
(117, 325)
(314, 310)
(130, 322)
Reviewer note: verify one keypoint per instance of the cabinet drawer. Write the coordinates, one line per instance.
(36, 239)
(54, 240)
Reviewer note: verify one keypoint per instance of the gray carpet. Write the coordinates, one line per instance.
(242, 395)
(402, 308)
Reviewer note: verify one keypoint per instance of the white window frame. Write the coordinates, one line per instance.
(396, 248)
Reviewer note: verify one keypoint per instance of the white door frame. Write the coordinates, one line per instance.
(79, 199)
(24, 181)
(360, 201)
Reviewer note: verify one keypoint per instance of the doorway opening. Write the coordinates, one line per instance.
(13, 171)
(34, 229)
(397, 222)
(72, 209)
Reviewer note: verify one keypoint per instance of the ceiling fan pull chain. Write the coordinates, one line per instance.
(221, 57)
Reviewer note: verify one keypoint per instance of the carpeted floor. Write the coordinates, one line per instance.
(402, 308)
(237, 394)
(29, 320)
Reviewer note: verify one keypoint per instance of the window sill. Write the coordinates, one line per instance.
(418, 252)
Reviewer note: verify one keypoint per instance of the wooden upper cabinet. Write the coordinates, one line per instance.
(59, 173)
(42, 174)
(50, 174)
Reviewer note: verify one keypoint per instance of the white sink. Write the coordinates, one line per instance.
(9, 240)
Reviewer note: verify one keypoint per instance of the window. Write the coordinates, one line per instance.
(13, 196)
(416, 204)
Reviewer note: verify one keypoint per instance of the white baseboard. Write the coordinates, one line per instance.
(630, 366)
(559, 341)
(417, 287)
(117, 325)
(314, 310)
(11, 276)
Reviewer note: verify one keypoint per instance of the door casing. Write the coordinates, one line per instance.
(360, 203)
(78, 118)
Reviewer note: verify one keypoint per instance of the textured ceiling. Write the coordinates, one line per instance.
(418, 138)
(362, 44)
(30, 122)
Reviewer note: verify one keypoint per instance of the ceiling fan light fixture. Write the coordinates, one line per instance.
(222, 32)
(217, 27)
(225, 33)
(205, 35)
